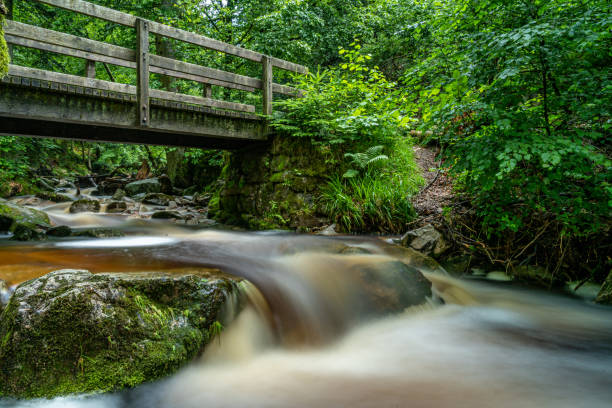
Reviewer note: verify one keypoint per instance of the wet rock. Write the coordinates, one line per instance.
(201, 200)
(98, 233)
(25, 223)
(118, 195)
(74, 332)
(605, 294)
(53, 196)
(172, 205)
(157, 199)
(111, 185)
(329, 231)
(535, 275)
(152, 185)
(80, 206)
(116, 207)
(456, 265)
(44, 185)
(426, 240)
(59, 232)
(167, 215)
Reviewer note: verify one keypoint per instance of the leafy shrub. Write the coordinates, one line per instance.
(521, 93)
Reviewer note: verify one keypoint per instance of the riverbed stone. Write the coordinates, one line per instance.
(53, 196)
(157, 199)
(116, 207)
(118, 195)
(427, 240)
(167, 215)
(74, 332)
(25, 223)
(59, 232)
(80, 206)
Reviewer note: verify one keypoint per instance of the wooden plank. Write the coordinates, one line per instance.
(200, 79)
(188, 68)
(207, 91)
(129, 20)
(65, 79)
(197, 100)
(58, 49)
(93, 10)
(267, 86)
(96, 86)
(67, 40)
(90, 69)
(142, 72)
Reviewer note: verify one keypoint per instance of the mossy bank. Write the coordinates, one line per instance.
(4, 54)
(74, 332)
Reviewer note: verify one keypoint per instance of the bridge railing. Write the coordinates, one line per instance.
(144, 62)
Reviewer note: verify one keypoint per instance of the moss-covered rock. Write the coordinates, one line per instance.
(74, 332)
(25, 223)
(80, 206)
(53, 196)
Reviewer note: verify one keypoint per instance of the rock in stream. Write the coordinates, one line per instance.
(71, 331)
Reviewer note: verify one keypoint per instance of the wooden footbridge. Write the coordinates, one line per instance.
(35, 102)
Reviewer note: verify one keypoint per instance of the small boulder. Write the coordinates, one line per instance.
(74, 332)
(59, 232)
(152, 185)
(167, 215)
(202, 200)
(157, 199)
(25, 223)
(427, 240)
(118, 195)
(98, 233)
(80, 206)
(53, 196)
(116, 207)
(5, 294)
(329, 231)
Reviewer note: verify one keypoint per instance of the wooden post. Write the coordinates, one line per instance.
(207, 90)
(90, 69)
(267, 79)
(142, 63)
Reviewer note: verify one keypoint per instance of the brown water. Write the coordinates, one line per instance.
(308, 337)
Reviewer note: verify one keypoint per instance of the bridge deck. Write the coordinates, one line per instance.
(36, 102)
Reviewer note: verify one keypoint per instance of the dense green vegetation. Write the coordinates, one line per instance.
(517, 93)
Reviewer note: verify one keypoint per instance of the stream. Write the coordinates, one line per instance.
(308, 337)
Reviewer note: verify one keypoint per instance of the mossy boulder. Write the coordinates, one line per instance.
(53, 196)
(80, 206)
(25, 223)
(116, 207)
(153, 185)
(157, 199)
(74, 332)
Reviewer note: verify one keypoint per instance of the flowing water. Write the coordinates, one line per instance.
(313, 333)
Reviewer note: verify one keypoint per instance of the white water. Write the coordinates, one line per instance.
(488, 346)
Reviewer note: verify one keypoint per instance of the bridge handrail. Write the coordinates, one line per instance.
(144, 62)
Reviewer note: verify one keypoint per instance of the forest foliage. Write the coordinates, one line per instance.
(517, 92)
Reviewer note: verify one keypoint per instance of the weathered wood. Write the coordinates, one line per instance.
(207, 91)
(101, 85)
(268, 77)
(129, 20)
(196, 100)
(43, 112)
(90, 69)
(211, 73)
(142, 71)
(58, 49)
(67, 40)
(65, 79)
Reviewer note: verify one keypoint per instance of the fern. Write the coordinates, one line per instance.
(364, 160)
